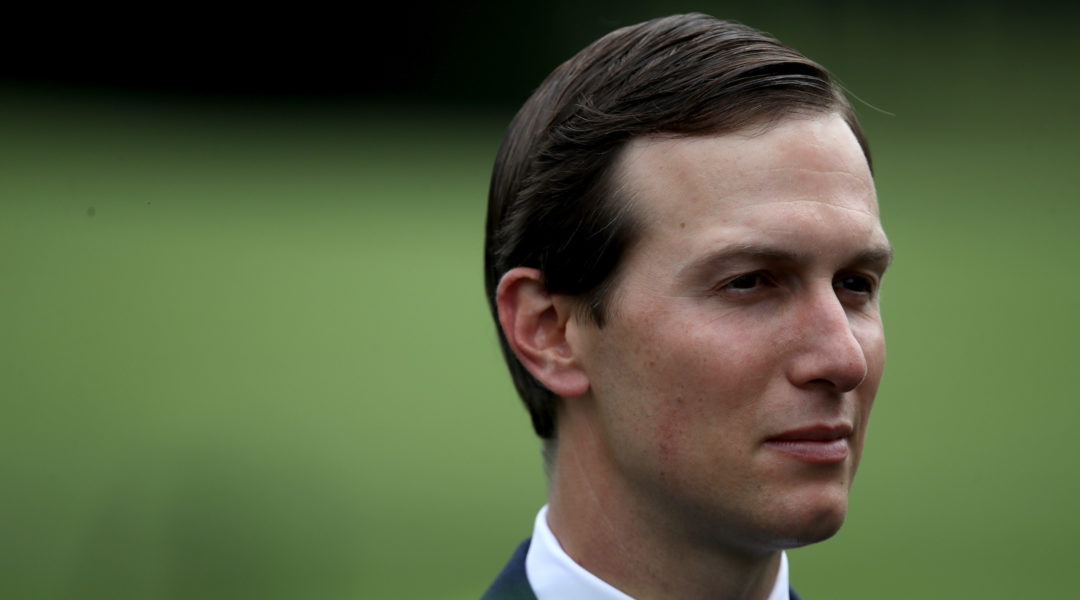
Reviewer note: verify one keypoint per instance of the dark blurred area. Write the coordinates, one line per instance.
(483, 53)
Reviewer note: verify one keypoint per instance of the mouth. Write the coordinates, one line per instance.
(818, 444)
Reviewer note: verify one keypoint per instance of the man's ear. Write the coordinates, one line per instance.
(534, 323)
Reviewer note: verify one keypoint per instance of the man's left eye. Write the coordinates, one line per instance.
(855, 283)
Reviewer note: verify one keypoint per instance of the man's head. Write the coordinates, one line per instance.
(555, 202)
(684, 256)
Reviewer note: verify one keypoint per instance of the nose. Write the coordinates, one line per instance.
(828, 354)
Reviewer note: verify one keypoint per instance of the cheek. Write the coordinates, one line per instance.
(672, 434)
(874, 348)
(677, 388)
(701, 392)
(651, 389)
(873, 341)
(728, 366)
(871, 335)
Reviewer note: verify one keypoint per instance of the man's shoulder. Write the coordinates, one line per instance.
(512, 582)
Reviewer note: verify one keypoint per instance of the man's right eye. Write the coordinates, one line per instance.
(748, 281)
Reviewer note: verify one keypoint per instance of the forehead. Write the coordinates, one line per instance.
(801, 182)
(799, 160)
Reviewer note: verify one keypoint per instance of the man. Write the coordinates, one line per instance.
(684, 257)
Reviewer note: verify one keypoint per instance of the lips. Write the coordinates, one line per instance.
(819, 444)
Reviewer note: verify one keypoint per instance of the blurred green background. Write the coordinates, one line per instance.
(244, 349)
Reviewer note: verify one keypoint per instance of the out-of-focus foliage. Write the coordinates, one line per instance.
(244, 350)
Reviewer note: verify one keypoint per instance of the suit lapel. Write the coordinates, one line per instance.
(512, 583)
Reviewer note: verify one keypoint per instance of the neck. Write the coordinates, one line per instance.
(632, 544)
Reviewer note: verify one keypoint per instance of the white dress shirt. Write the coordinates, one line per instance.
(553, 575)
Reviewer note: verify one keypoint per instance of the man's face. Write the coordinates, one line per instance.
(732, 382)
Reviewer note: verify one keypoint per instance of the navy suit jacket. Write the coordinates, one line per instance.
(512, 583)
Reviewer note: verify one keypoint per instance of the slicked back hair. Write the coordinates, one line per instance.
(553, 205)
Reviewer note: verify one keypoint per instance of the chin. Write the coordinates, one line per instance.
(793, 523)
(814, 523)
(819, 532)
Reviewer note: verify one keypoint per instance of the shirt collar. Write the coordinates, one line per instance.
(553, 575)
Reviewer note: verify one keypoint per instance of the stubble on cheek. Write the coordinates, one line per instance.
(671, 433)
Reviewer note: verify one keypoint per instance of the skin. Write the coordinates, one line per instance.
(747, 310)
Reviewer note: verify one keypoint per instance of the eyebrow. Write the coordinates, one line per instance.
(876, 256)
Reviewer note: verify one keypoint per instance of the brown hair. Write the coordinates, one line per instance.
(552, 205)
